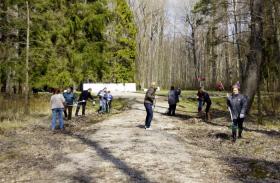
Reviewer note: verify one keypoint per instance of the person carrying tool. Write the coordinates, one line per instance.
(85, 95)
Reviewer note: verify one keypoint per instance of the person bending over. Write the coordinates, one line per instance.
(84, 96)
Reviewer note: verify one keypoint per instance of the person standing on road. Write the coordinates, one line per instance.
(69, 101)
(173, 98)
(57, 107)
(237, 104)
(148, 103)
(85, 95)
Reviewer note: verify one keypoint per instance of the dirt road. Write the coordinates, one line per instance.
(121, 150)
(178, 149)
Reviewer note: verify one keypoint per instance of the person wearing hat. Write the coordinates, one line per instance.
(237, 104)
(148, 103)
(85, 95)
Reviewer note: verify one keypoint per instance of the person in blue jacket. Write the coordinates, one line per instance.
(108, 97)
(69, 101)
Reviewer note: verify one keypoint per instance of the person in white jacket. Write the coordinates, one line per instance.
(57, 107)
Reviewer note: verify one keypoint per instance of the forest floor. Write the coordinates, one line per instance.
(117, 148)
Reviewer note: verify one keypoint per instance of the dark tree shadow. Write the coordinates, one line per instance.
(271, 133)
(132, 173)
(82, 177)
(181, 116)
(223, 136)
(140, 126)
(216, 113)
(254, 170)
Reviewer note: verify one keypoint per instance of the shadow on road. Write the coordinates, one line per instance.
(133, 174)
(254, 170)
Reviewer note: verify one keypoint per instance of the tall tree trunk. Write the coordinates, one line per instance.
(251, 81)
(27, 62)
(237, 31)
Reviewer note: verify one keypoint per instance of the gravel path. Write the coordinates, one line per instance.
(121, 150)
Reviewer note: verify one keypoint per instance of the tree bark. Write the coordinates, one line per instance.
(252, 79)
(27, 63)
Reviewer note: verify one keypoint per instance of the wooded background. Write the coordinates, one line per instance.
(71, 42)
(218, 42)
(60, 43)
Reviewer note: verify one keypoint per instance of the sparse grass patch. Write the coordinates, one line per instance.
(12, 108)
(9, 155)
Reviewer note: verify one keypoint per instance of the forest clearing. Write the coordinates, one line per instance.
(206, 74)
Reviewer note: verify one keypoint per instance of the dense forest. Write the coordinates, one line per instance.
(69, 42)
(59, 43)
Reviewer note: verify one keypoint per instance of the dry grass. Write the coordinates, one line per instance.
(29, 149)
(12, 108)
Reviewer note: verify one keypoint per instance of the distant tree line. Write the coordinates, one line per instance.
(223, 40)
(70, 42)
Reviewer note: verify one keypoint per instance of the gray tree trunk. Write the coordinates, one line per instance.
(252, 78)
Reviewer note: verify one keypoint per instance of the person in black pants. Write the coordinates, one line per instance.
(237, 105)
(207, 100)
(172, 101)
(85, 95)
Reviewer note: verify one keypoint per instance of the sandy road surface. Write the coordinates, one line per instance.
(119, 149)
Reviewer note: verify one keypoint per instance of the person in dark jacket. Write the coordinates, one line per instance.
(69, 101)
(85, 95)
(173, 98)
(207, 100)
(237, 104)
(148, 103)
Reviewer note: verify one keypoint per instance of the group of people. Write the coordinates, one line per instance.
(236, 102)
(64, 102)
(105, 100)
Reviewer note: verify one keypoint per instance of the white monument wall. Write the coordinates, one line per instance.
(121, 87)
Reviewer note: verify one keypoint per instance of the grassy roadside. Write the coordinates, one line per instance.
(12, 116)
(29, 150)
(254, 158)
